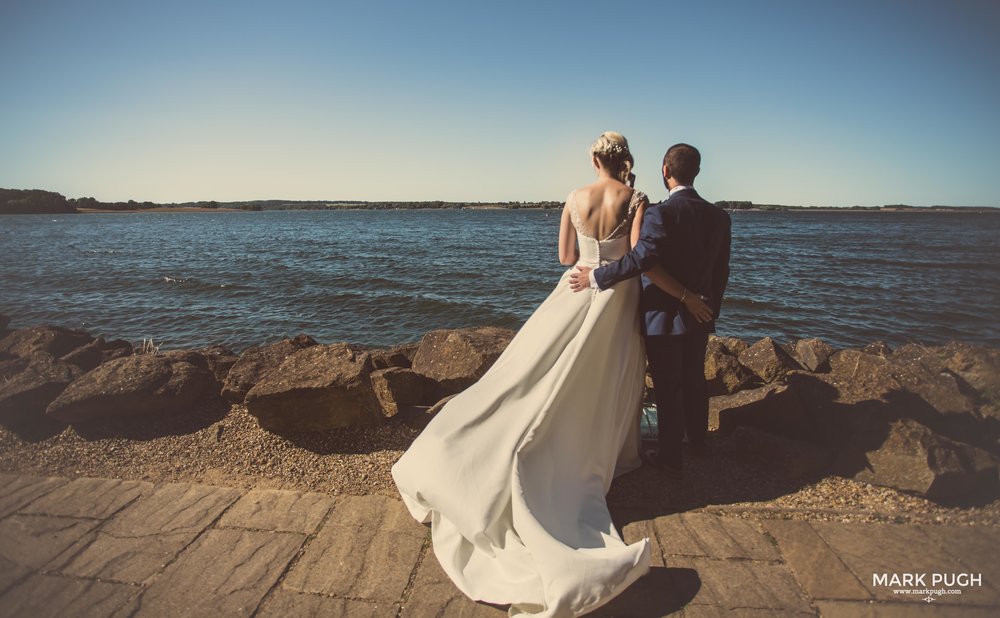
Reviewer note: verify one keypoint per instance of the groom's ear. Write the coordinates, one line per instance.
(666, 171)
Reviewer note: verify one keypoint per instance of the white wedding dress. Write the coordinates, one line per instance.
(512, 473)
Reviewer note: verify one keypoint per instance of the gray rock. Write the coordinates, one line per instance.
(914, 458)
(9, 367)
(723, 371)
(399, 356)
(878, 348)
(132, 386)
(398, 388)
(97, 352)
(735, 345)
(795, 458)
(54, 340)
(318, 388)
(913, 383)
(456, 359)
(813, 354)
(775, 408)
(978, 367)
(768, 360)
(256, 362)
(217, 360)
(25, 394)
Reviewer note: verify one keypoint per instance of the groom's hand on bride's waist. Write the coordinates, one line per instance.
(582, 279)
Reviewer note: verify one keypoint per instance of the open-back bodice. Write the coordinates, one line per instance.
(594, 252)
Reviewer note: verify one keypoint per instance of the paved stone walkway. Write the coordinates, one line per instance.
(102, 548)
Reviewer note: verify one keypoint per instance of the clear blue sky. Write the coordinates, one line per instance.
(809, 103)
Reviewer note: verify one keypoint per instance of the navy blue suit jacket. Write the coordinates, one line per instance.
(690, 238)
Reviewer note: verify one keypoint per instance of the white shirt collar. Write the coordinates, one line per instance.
(678, 188)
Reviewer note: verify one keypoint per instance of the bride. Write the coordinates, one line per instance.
(512, 473)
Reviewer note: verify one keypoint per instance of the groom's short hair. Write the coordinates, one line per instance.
(684, 162)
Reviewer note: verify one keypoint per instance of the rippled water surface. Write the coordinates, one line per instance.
(386, 277)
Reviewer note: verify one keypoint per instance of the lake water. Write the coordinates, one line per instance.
(387, 277)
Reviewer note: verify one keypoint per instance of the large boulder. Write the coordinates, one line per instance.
(914, 458)
(794, 458)
(217, 360)
(912, 383)
(878, 348)
(132, 386)
(861, 375)
(398, 356)
(12, 366)
(97, 352)
(723, 371)
(397, 388)
(979, 368)
(921, 371)
(320, 387)
(775, 408)
(456, 359)
(813, 354)
(735, 345)
(53, 340)
(25, 392)
(256, 362)
(768, 360)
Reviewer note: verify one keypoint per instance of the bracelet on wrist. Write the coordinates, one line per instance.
(684, 295)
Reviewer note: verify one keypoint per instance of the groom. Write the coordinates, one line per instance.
(690, 239)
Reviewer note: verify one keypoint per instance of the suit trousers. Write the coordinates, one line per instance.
(677, 365)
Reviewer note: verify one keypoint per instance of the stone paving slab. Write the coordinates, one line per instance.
(977, 553)
(49, 596)
(271, 509)
(738, 584)
(10, 573)
(816, 567)
(702, 534)
(366, 550)
(225, 572)
(87, 497)
(138, 542)
(285, 604)
(17, 491)
(868, 549)
(434, 594)
(34, 541)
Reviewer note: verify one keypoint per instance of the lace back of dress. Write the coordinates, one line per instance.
(594, 251)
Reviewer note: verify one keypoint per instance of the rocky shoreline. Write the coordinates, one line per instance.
(799, 430)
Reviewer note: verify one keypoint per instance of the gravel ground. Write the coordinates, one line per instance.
(217, 445)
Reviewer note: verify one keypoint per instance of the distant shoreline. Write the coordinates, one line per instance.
(102, 211)
(37, 201)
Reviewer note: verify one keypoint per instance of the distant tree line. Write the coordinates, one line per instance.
(89, 202)
(32, 201)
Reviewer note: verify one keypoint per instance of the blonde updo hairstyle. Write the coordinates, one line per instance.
(611, 149)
